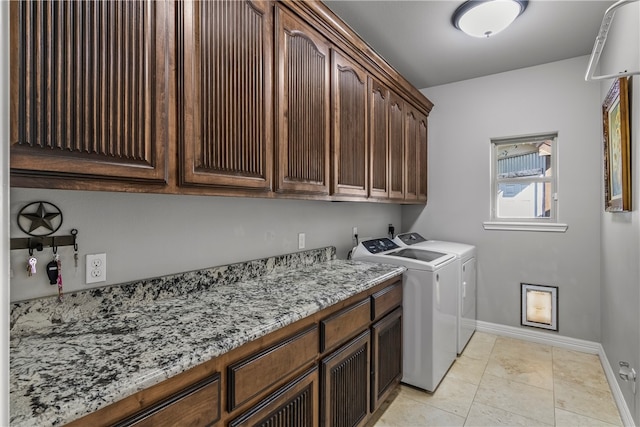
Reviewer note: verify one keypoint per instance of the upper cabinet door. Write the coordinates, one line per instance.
(350, 148)
(416, 155)
(422, 158)
(411, 150)
(302, 129)
(89, 90)
(396, 147)
(379, 140)
(226, 109)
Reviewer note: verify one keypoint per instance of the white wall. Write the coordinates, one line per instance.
(547, 98)
(621, 231)
(148, 235)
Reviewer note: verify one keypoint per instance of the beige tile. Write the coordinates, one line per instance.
(522, 399)
(407, 412)
(510, 347)
(483, 416)
(480, 346)
(588, 401)
(535, 372)
(467, 369)
(569, 419)
(451, 395)
(577, 367)
(484, 336)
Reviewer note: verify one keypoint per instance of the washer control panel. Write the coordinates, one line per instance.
(377, 246)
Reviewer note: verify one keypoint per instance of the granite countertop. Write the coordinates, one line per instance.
(62, 372)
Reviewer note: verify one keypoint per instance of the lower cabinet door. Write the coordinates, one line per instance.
(345, 382)
(387, 356)
(294, 405)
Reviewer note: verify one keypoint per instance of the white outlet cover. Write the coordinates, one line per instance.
(96, 268)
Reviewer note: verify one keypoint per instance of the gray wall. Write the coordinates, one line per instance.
(621, 231)
(148, 235)
(545, 98)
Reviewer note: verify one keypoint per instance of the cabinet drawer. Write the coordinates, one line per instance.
(344, 324)
(258, 372)
(386, 300)
(198, 405)
(295, 404)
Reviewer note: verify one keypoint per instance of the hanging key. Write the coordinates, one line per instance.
(75, 259)
(31, 268)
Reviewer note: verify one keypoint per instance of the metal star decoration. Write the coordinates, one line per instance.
(41, 218)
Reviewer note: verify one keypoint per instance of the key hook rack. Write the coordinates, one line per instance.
(39, 220)
(39, 243)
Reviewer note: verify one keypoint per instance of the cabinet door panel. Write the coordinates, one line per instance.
(227, 91)
(411, 151)
(422, 158)
(303, 119)
(88, 89)
(387, 356)
(345, 384)
(294, 405)
(379, 139)
(396, 147)
(350, 148)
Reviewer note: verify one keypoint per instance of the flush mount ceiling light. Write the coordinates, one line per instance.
(485, 18)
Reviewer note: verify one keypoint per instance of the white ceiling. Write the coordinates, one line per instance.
(418, 39)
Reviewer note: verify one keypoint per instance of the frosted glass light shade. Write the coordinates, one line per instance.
(485, 18)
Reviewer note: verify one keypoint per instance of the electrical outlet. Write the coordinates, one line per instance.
(354, 232)
(301, 240)
(96, 268)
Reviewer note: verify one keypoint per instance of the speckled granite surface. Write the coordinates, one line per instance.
(67, 364)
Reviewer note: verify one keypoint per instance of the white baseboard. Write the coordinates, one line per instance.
(569, 344)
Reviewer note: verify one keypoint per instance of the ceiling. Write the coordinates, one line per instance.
(418, 39)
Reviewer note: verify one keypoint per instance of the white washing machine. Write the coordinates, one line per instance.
(428, 308)
(467, 279)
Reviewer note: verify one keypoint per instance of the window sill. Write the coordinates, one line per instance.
(525, 226)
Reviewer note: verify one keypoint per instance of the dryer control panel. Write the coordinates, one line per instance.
(411, 238)
(377, 246)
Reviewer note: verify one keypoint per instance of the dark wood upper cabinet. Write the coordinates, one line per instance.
(225, 109)
(89, 91)
(262, 98)
(350, 148)
(378, 139)
(303, 106)
(396, 147)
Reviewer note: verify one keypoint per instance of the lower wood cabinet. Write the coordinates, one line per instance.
(386, 347)
(332, 368)
(345, 376)
(294, 405)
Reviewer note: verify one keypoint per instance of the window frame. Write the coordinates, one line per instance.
(549, 223)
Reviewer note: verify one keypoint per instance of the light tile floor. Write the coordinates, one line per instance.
(500, 381)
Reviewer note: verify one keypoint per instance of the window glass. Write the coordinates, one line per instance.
(524, 178)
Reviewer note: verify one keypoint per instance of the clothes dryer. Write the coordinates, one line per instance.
(466, 316)
(428, 308)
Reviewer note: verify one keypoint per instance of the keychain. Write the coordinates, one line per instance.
(31, 266)
(59, 281)
(52, 271)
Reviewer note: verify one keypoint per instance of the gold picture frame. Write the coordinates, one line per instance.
(617, 162)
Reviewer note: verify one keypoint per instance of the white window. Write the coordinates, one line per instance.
(524, 183)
